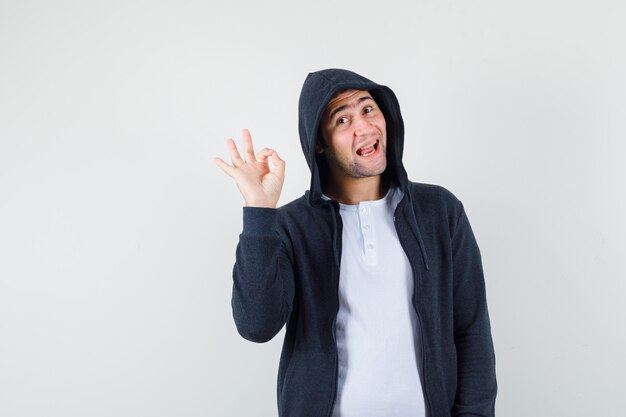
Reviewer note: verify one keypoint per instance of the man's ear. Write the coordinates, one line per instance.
(319, 149)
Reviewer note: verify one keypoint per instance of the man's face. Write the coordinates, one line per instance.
(355, 132)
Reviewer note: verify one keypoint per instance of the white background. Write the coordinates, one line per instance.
(117, 232)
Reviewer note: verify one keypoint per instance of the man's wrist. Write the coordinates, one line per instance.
(259, 204)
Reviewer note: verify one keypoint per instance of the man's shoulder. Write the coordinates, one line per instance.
(297, 211)
(299, 219)
(433, 193)
(433, 201)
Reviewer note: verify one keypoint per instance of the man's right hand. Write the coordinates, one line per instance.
(259, 185)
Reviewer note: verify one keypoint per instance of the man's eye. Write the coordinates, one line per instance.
(368, 109)
(342, 120)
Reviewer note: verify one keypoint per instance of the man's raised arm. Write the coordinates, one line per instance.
(263, 282)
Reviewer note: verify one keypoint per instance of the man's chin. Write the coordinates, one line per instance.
(366, 172)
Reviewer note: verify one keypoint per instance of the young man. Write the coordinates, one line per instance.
(378, 279)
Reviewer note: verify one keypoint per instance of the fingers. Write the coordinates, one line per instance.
(224, 166)
(248, 153)
(248, 149)
(279, 165)
(234, 153)
(263, 154)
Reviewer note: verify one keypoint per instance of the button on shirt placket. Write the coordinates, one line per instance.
(369, 236)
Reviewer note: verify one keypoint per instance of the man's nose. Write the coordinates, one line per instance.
(362, 126)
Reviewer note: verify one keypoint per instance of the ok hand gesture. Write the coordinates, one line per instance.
(259, 185)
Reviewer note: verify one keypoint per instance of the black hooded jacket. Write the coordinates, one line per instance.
(287, 272)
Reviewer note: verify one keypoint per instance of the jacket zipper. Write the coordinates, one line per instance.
(419, 319)
(334, 385)
(334, 327)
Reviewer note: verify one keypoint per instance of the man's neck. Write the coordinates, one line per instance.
(352, 191)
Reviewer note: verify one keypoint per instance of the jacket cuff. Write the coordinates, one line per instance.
(259, 221)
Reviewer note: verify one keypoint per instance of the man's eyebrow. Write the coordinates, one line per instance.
(345, 106)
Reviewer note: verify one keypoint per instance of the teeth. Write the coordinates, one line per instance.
(363, 153)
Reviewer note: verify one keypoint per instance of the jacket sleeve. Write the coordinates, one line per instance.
(476, 377)
(263, 282)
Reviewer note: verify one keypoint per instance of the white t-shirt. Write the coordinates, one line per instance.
(376, 325)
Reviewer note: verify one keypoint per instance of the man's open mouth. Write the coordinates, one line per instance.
(368, 149)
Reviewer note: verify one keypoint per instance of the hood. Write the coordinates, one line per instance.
(318, 89)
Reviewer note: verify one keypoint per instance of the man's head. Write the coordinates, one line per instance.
(353, 136)
(335, 142)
